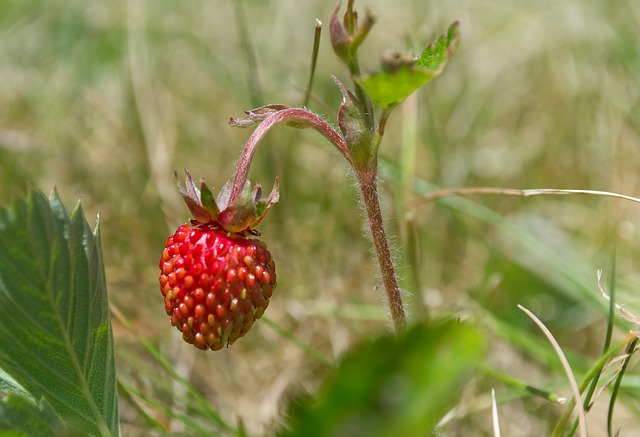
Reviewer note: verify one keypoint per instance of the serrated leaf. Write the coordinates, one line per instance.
(436, 55)
(21, 416)
(399, 78)
(55, 332)
(389, 88)
(394, 386)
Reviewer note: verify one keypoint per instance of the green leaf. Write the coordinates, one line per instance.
(400, 77)
(21, 416)
(393, 386)
(436, 55)
(55, 332)
(9, 385)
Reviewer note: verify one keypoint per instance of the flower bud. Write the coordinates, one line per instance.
(340, 38)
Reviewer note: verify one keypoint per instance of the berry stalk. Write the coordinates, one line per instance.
(292, 116)
(365, 166)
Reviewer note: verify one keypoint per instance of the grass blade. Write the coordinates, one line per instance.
(513, 382)
(246, 46)
(494, 414)
(566, 366)
(314, 60)
(194, 394)
(616, 386)
(304, 347)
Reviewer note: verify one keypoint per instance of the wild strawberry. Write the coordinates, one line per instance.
(215, 279)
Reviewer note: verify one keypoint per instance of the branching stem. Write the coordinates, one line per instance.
(367, 179)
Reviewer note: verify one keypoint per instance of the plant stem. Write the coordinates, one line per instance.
(366, 172)
(368, 187)
(367, 179)
(293, 116)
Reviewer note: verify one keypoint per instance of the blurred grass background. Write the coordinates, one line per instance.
(103, 100)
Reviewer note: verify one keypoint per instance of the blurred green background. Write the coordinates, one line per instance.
(105, 99)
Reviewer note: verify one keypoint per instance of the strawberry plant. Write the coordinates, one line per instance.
(62, 373)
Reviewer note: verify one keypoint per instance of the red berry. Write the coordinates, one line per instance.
(208, 280)
(215, 278)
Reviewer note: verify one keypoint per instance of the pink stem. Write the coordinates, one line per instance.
(368, 187)
(296, 116)
(366, 173)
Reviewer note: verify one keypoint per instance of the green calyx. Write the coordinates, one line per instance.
(356, 127)
(238, 217)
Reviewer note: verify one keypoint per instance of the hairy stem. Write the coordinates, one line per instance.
(366, 173)
(294, 116)
(367, 181)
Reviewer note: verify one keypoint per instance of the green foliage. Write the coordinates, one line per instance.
(55, 332)
(436, 55)
(394, 385)
(22, 416)
(400, 77)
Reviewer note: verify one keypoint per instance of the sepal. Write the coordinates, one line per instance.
(354, 124)
(256, 115)
(191, 196)
(207, 199)
(246, 212)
